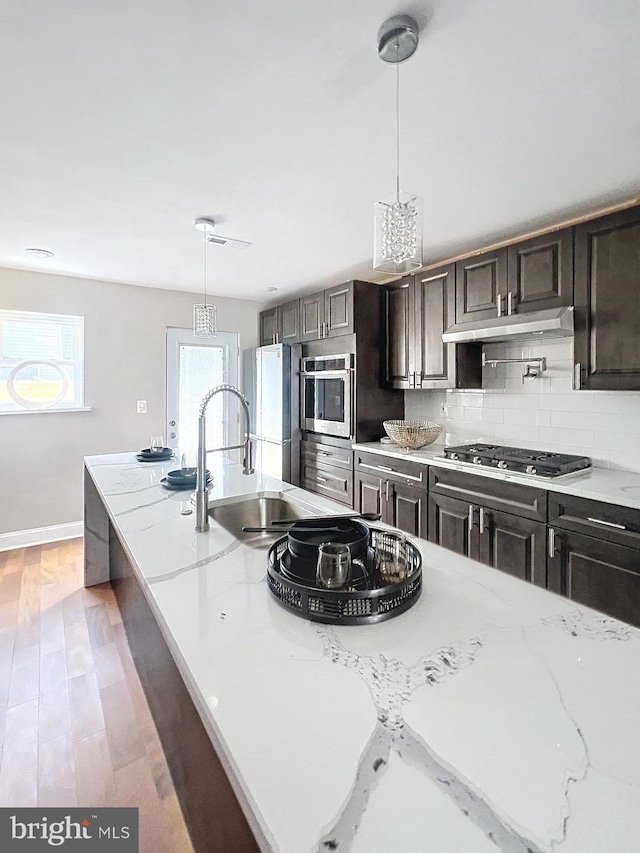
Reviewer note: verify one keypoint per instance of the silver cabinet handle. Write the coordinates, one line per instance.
(552, 542)
(577, 377)
(509, 303)
(499, 305)
(321, 479)
(481, 513)
(386, 490)
(470, 522)
(323, 453)
(385, 468)
(606, 523)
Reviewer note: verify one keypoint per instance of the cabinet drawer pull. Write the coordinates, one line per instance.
(321, 479)
(323, 453)
(386, 490)
(470, 522)
(385, 468)
(481, 513)
(606, 523)
(552, 542)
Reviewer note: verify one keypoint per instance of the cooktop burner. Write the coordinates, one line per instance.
(535, 462)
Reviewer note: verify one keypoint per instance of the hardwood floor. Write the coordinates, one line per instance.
(75, 728)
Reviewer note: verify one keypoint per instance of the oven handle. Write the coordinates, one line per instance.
(328, 373)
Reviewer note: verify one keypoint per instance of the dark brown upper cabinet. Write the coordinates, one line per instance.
(417, 311)
(607, 302)
(280, 325)
(540, 272)
(399, 333)
(268, 326)
(327, 314)
(530, 275)
(481, 283)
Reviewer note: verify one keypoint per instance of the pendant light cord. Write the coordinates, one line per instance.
(204, 266)
(397, 124)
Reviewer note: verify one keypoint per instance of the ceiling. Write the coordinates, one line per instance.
(122, 121)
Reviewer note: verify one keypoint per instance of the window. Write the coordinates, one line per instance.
(41, 361)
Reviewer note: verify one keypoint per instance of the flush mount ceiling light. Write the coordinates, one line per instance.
(39, 253)
(204, 315)
(268, 289)
(398, 219)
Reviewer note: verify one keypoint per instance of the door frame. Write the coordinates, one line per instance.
(177, 336)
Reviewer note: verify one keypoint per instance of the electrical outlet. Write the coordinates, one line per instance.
(141, 407)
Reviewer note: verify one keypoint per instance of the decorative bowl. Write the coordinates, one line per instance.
(412, 435)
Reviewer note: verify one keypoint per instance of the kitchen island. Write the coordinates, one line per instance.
(493, 715)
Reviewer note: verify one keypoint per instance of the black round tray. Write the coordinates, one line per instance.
(346, 606)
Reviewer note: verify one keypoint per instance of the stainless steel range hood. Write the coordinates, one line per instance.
(552, 323)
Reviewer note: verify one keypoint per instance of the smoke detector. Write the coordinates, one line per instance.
(208, 226)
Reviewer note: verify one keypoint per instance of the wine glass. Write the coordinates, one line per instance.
(156, 444)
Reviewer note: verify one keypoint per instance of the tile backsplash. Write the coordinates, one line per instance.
(543, 413)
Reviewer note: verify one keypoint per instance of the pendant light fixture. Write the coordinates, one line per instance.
(398, 218)
(204, 315)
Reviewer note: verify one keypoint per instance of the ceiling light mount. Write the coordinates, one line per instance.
(398, 38)
(203, 223)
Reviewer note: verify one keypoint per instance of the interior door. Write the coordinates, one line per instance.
(194, 366)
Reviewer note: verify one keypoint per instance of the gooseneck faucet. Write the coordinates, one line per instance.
(202, 495)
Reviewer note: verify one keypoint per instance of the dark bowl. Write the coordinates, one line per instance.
(147, 453)
(305, 544)
(183, 475)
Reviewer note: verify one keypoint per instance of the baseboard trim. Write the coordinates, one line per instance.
(40, 535)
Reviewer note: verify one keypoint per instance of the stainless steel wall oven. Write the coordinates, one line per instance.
(327, 395)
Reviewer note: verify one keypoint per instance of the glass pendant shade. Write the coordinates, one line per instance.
(204, 321)
(398, 234)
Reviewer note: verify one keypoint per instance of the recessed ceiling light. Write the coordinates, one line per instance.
(268, 289)
(40, 253)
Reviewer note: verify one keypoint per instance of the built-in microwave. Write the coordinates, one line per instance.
(327, 395)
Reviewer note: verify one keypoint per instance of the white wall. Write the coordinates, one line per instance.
(41, 454)
(543, 413)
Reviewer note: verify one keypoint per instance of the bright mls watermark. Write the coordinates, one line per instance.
(34, 830)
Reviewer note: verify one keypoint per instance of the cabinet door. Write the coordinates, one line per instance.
(513, 545)
(540, 272)
(607, 302)
(398, 333)
(434, 308)
(338, 310)
(311, 316)
(596, 573)
(450, 525)
(368, 493)
(407, 508)
(288, 322)
(480, 282)
(268, 326)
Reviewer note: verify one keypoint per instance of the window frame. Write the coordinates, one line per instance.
(77, 362)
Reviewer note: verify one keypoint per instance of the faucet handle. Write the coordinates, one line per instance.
(247, 463)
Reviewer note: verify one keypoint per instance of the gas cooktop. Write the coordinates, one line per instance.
(534, 462)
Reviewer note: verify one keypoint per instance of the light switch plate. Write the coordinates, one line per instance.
(141, 407)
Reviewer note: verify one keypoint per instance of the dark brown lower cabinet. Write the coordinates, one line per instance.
(449, 525)
(600, 574)
(400, 505)
(512, 544)
(507, 542)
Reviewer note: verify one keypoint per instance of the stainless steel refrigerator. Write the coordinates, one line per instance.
(267, 385)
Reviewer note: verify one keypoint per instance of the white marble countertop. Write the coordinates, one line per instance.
(493, 715)
(598, 484)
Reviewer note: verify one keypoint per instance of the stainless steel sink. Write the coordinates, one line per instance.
(256, 512)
